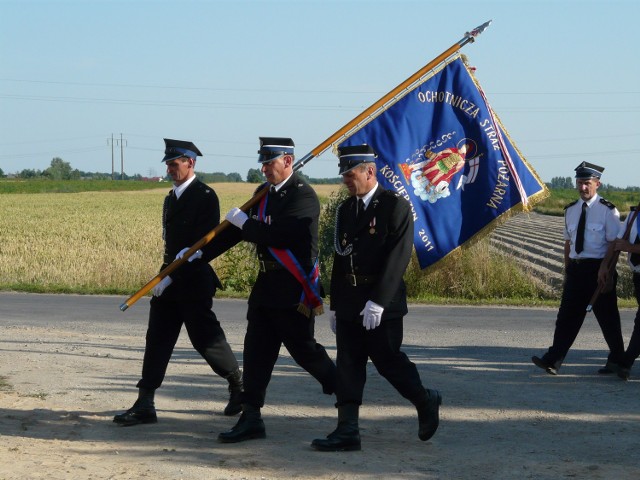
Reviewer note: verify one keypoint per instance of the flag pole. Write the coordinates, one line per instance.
(342, 133)
(367, 114)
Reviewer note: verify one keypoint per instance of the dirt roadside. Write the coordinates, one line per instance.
(501, 419)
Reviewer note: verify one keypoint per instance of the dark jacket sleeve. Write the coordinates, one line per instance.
(291, 226)
(399, 246)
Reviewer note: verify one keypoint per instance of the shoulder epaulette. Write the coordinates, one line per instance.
(390, 193)
(607, 203)
(572, 203)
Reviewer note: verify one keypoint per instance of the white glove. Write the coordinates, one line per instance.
(332, 322)
(372, 313)
(159, 288)
(195, 256)
(236, 217)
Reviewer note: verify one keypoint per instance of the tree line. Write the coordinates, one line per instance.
(61, 170)
(570, 183)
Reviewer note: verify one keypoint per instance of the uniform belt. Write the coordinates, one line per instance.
(355, 280)
(268, 265)
(579, 261)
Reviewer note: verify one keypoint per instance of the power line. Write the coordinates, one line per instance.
(288, 90)
(189, 104)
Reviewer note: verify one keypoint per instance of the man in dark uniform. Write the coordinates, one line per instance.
(185, 297)
(591, 223)
(286, 296)
(374, 242)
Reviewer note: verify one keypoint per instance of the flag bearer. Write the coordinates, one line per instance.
(286, 296)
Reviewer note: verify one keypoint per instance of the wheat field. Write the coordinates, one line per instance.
(91, 242)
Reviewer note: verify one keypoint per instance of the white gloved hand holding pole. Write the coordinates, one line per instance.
(372, 315)
(236, 217)
(196, 255)
(160, 287)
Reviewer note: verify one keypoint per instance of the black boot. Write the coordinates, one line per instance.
(143, 410)
(543, 363)
(346, 437)
(428, 414)
(249, 426)
(235, 389)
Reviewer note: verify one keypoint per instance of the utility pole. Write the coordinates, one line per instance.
(110, 142)
(122, 143)
(122, 157)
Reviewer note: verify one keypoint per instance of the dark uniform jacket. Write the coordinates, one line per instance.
(382, 241)
(292, 223)
(185, 221)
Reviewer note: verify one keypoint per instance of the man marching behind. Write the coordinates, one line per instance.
(632, 246)
(591, 223)
(374, 241)
(286, 295)
(185, 297)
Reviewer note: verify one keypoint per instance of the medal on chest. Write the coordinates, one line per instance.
(372, 226)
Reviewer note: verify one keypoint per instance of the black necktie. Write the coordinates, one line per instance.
(360, 209)
(634, 258)
(580, 233)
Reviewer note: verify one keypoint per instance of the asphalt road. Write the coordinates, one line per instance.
(102, 311)
(72, 361)
(527, 329)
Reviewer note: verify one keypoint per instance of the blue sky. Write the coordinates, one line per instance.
(563, 76)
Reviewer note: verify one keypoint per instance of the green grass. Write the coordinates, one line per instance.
(76, 186)
(559, 198)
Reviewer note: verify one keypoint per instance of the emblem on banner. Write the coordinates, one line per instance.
(432, 174)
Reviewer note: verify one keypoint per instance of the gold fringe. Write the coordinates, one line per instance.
(306, 311)
(538, 197)
(516, 209)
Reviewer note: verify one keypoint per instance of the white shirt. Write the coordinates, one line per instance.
(633, 234)
(279, 186)
(181, 188)
(602, 226)
(366, 198)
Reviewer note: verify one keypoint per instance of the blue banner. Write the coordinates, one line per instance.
(442, 148)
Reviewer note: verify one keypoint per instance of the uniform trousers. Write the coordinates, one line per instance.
(633, 349)
(356, 345)
(581, 281)
(166, 318)
(267, 330)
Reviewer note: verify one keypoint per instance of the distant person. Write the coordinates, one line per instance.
(185, 297)
(632, 246)
(591, 223)
(374, 242)
(286, 296)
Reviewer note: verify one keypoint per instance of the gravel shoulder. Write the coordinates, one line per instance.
(71, 362)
